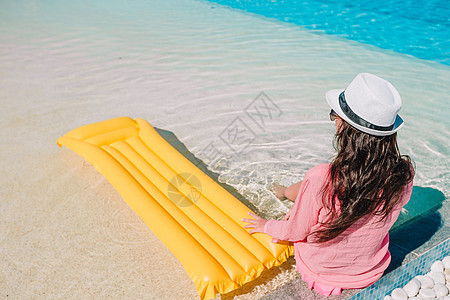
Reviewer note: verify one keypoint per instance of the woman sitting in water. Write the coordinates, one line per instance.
(343, 211)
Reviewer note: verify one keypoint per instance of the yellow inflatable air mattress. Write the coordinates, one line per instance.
(197, 219)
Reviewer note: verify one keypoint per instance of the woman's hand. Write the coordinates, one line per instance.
(279, 191)
(257, 223)
(282, 192)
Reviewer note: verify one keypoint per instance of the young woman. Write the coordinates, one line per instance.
(343, 211)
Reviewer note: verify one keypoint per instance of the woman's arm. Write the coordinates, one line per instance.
(257, 224)
(301, 218)
(287, 192)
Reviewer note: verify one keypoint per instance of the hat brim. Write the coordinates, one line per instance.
(332, 97)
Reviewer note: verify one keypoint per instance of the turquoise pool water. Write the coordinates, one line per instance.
(416, 27)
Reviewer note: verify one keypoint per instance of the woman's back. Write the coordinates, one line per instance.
(356, 258)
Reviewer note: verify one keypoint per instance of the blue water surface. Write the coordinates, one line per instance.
(420, 28)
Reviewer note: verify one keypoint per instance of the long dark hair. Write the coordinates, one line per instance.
(367, 176)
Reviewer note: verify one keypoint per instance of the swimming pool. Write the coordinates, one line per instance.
(193, 68)
(416, 27)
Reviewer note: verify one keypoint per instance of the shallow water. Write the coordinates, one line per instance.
(195, 69)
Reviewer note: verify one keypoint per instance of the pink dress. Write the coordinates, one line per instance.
(355, 259)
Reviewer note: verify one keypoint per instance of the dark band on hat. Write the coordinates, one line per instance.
(358, 120)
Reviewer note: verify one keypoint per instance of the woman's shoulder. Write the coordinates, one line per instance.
(319, 171)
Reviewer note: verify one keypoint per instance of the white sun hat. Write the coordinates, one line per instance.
(369, 103)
